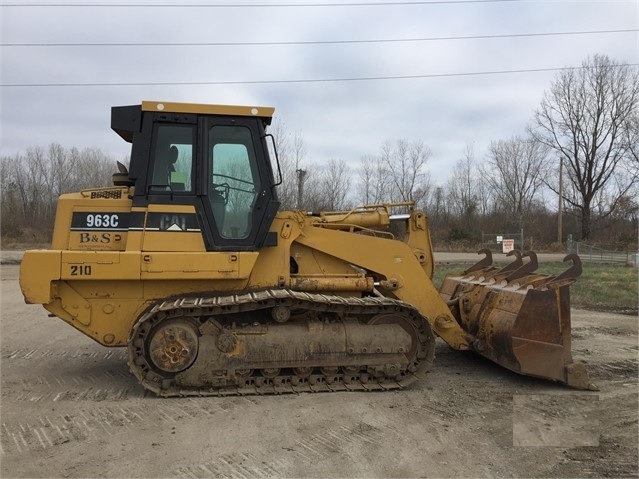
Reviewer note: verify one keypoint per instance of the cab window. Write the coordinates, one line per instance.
(234, 180)
(172, 158)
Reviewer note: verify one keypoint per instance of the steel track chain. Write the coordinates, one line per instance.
(203, 307)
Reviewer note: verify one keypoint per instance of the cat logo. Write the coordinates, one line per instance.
(173, 223)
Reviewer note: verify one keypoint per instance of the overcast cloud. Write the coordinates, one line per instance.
(338, 120)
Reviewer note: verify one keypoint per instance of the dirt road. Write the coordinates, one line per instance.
(69, 408)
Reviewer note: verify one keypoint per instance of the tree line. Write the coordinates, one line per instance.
(31, 183)
(578, 157)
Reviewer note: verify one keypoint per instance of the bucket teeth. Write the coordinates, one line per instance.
(513, 265)
(517, 273)
(485, 272)
(570, 275)
(482, 264)
(525, 269)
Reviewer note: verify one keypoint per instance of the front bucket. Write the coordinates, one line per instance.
(519, 319)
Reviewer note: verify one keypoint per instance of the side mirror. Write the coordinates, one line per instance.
(121, 178)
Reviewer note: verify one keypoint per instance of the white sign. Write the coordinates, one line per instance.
(500, 239)
(508, 245)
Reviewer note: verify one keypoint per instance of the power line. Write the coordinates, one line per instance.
(317, 42)
(315, 80)
(254, 5)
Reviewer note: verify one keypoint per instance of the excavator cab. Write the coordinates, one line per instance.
(214, 158)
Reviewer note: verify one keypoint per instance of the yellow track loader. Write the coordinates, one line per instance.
(188, 263)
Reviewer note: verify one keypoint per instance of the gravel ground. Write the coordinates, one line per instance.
(70, 408)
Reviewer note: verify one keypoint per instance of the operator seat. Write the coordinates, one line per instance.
(176, 179)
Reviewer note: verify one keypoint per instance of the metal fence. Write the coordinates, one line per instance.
(600, 255)
(499, 242)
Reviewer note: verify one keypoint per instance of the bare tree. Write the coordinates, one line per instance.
(436, 206)
(374, 187)
(514, 173)
(93, 168)
(11, 211)
(330, 189)
(406, 166)
(291, 151)
(463, 190)
(632, 137)
(337, 180)
(585, 117)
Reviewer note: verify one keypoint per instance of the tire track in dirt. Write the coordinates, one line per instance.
(73, 387)
(353, 441)
(47, 431)
(28, 353)
(323, 444)
(299, 453)
(89, 423)
(70, 376)
(241, 464)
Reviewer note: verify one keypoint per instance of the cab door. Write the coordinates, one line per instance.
(236, 176)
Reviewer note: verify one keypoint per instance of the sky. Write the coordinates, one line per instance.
(340, 73)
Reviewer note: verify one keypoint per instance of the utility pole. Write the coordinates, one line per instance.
(561, 201)
(301, 174)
